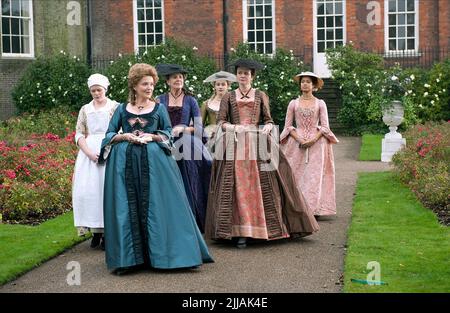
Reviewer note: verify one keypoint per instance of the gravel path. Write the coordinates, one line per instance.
(311, 264)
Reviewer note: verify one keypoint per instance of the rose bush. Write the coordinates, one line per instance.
(424, 165)
(36, 179)
(36, 166)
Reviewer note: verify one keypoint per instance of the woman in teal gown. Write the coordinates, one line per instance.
(148, 220)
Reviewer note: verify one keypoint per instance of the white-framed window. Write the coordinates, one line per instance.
(148, 18)
(330, 26)
(259, 25)
(401, 25)
(17, 28)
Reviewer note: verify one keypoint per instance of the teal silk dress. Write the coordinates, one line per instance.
(147, 215)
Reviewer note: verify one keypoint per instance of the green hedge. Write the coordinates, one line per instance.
(367, 87)
(51, 82)
(172, 51)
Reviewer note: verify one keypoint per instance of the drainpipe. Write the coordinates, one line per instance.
(88, 33)
(225, 33)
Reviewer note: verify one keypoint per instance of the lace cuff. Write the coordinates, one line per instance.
(285, 134)
(327, 133)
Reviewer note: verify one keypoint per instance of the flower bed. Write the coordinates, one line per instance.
(424, 166)
(36, 168)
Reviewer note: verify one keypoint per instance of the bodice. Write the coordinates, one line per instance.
(307, 119)
(246, 111)
(175, 114)
(137, 123)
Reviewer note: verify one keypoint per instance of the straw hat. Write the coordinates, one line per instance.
(318, 82)
(222, 75)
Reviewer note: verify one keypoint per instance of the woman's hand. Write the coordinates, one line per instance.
(303, 144)
(310, 142)
(177, 130)
(239, 129)
(307, 144)
(150, 137)
(93, 157)
(267, 128)
(133, 138)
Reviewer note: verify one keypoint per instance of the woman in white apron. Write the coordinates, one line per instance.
(88, 178)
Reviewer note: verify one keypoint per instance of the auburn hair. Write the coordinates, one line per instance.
(136, 73)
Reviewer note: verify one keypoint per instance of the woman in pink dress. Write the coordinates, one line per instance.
(308, 146)
(249, 195)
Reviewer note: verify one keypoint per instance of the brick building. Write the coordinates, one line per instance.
(395, 28)
(307, 27)
(32, 28)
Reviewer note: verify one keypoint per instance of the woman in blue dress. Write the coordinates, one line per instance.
(148, 220)
(192, 156)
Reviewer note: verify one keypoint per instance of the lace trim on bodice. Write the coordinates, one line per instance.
(306, 121)
(211, 109)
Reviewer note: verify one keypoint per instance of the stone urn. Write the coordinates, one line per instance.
(393, 141)
(393, 117)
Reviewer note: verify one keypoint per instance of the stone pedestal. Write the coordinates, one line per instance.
(393, 141)
(390, 145)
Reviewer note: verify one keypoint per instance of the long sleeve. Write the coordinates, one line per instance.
(223, 116)
(165, 130)
(81, 129)
(324, 127)
(204, 113)
(288, 123)
(113, 128)
(195, 114)
(265, 103)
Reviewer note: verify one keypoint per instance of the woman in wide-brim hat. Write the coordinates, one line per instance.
(308, 145)
(248, 198)
(194, 163)
(221, 82)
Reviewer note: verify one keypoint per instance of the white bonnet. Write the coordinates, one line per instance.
(98, 79)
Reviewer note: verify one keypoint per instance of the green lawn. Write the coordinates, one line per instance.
(391, 227)
(370, 148)
(25, 247)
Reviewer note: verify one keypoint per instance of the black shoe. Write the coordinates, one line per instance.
(95, 240)
(242, 243)
(102, 244)
(122, 271)
(129, 269)
(296, 236)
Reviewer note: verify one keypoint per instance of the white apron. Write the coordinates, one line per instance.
(88, 179)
